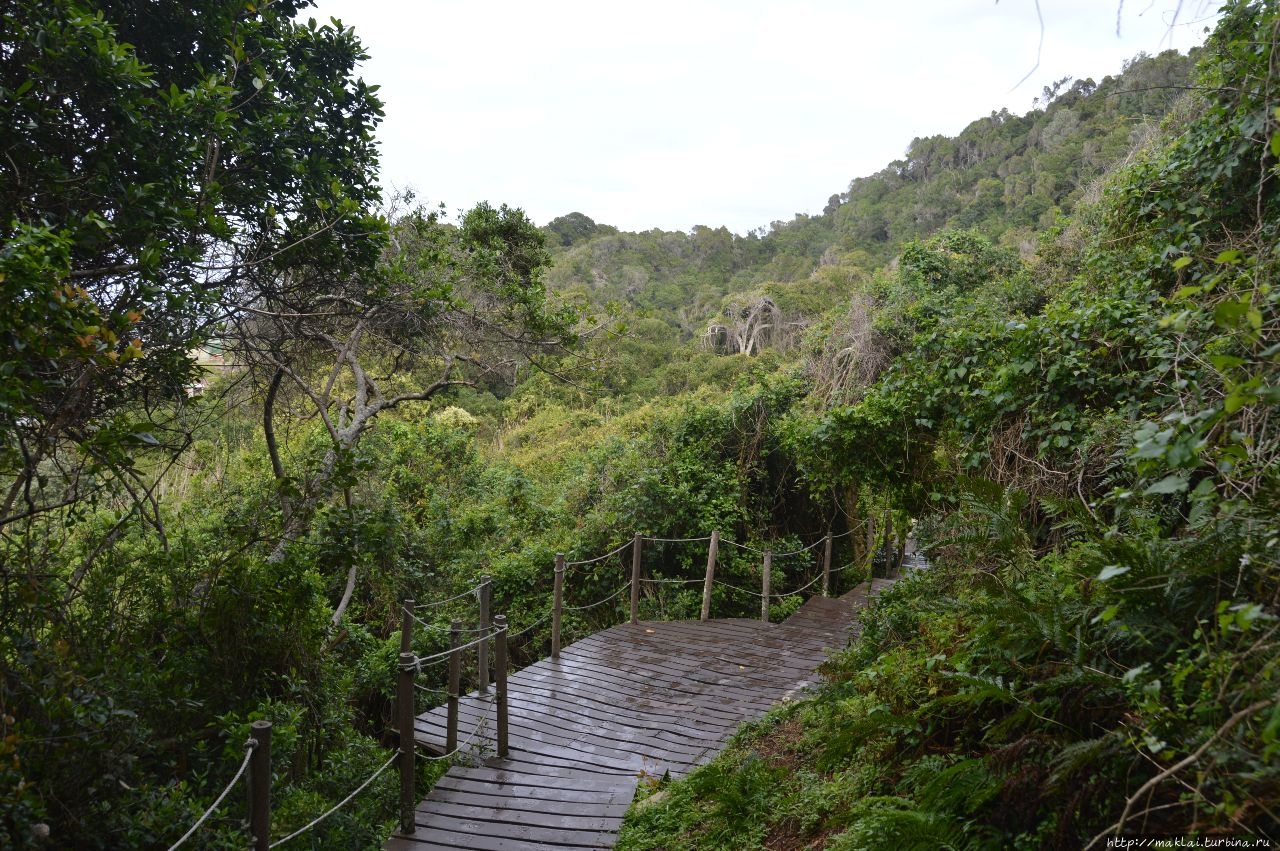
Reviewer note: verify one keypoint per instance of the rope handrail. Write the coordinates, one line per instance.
(812, 582)
(724, 584)
(660, 581)
(802, 549)
(470, 739)
(339, 805)
(772, 596)
(609, 554)
(248, 754)
(429, 689)
(546, 616)
(598, 602)
(435, 603)
(419, 661)
(675, 540)
(746, 547)
(444, 629)
(857, 527)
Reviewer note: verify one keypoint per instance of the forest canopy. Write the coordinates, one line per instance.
(250, 405)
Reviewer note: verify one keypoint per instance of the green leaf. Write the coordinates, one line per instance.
(1182, 262)
(1228, 313)
(1111, 571)
(1222, 363)
(1107, 614)
(1176, 483)
(1237, 400)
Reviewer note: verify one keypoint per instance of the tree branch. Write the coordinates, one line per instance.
(1179, 765)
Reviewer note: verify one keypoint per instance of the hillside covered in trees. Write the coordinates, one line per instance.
(1047, 348)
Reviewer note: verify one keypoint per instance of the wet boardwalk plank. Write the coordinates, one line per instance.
(638, 700)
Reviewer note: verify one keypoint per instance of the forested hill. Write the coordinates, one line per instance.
(1004, 176)
(1069, 398)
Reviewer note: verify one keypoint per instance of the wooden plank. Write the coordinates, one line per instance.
(561, 815)
(499, 773)
(728, 689)
(640, 698)
(634, 708)
(541, 713)
(496, 802)
(606, 791)
(634, 686)
(445, 840)
(483, 832)
(569, 745)
(531, 761)
(622, 687)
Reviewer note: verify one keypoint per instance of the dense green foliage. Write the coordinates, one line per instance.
(1062, 375)
(1087, 441)
(156, 163)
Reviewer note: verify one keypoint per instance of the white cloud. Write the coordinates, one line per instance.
(671, 114)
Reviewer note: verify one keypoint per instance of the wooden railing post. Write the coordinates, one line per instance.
(635, 576)
(455, 685)
(871, 547)
(482, 649)
(557, 605)
(826, 567)
(712, 549)
(500, 681)
(404, 708)
(406, 627)
(886, 543)
(766, 579)
(260, 786)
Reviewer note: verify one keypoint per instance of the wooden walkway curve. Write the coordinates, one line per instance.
(638, 700)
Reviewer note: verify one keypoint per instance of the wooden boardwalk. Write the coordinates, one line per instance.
(639, 700)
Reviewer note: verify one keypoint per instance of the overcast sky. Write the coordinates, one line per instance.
(713, 112)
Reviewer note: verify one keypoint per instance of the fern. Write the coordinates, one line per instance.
(962, 789)
(887, 822)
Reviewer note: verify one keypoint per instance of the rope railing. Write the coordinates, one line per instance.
(433, 628)
(812, 582)
(609, 554)
(465, 743)
(497, 632)
(781, 595)
(746, 547)
(411, 665)
(597, 602)
(317, 820)
(257, 749)
(244, 766)
(802, 550)
(546, 616)
(429, 689)
(435, 603)
(654, 540)
(747, 591)
(419, 661)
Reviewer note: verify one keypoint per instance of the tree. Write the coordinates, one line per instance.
(448, 306)
(157, 158)
(746, 324)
